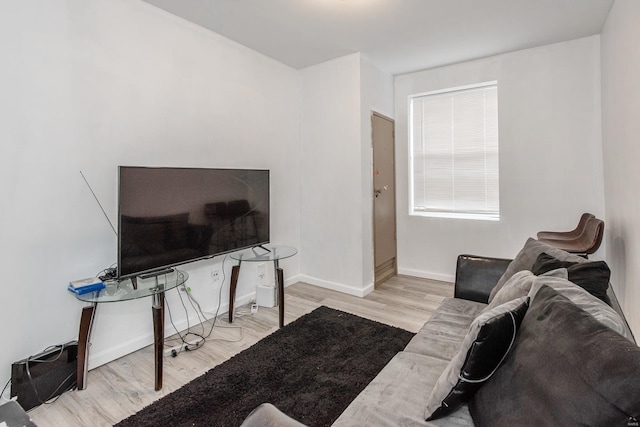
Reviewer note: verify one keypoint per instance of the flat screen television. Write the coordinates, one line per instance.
(170, 216)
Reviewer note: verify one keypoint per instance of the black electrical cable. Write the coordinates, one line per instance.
(5, 387)
(201, 320)
(186, 312)
(172, 324)
(201, 317)
(53, 393)
(108, 273)
(182, 337)
(215, 317)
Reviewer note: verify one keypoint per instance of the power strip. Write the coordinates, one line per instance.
(185, 346)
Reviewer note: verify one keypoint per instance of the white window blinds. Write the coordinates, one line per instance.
(454, 153)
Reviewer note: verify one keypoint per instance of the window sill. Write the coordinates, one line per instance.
(453, 215)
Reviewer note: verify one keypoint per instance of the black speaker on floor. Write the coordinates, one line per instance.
(41, 377)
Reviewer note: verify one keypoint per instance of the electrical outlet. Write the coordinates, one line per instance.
(215, 276)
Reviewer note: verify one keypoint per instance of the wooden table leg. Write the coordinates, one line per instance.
(84, 336)
(157, 310)
(235, 272)
(280, 277)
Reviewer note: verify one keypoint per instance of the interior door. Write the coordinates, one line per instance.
(384, 197)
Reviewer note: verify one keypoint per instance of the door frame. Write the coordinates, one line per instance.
(377, 280)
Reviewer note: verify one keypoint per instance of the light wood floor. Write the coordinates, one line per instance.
(124, 386)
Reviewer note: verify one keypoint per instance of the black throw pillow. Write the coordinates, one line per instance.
(592, 276)
(484, 348)
(565, 369)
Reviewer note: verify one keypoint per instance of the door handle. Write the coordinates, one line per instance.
(378, 191)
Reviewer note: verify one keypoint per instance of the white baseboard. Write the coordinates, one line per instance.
(346, 289)
(291, 280)
(427, 275)
(97, 359)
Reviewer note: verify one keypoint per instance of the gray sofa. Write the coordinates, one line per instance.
(537, 377)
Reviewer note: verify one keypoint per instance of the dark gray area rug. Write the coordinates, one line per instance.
(310, 369)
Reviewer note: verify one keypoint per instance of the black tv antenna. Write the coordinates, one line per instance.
(99, 204)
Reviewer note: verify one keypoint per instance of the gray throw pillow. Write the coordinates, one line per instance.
(583, 299)
(519, 286)
(527, 257)
(485, 346)
(565, 369)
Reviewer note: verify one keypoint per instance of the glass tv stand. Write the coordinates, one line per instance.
(127, 290)
(266, 253)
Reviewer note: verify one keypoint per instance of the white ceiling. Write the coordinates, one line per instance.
(399, 36)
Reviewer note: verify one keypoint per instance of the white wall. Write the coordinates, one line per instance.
(91, 85)
(331, 200)
(621, 132)
(550, 153)
(336, 210)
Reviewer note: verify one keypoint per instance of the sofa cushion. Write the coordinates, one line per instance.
(442, 335)
(396, 396)
(593, 276)
(566, 368)
(584, 300)
(527, 257)
(488, 341)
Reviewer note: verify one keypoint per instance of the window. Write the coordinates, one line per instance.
(453, 138)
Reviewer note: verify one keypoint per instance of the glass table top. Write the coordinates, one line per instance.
(260, 254)
(123, 290)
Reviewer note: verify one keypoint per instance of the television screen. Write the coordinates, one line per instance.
(171, 216)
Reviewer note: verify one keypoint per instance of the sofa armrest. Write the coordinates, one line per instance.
(476, 276)
(267, 415)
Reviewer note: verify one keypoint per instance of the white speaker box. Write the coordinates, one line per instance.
(266, 296)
